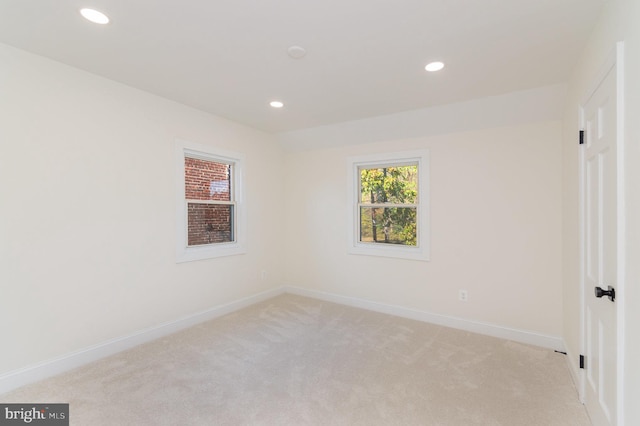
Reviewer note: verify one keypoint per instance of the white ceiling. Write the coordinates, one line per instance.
(365, 57)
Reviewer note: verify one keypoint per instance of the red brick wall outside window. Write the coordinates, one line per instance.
(208, 195)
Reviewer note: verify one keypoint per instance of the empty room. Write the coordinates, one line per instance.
(320, 213)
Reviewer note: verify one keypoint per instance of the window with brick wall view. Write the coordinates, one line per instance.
(210, 201)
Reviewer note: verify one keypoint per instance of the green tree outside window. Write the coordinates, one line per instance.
(388, 204)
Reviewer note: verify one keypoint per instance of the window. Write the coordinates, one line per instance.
(388, 205)
(210, 206)
(210, 213)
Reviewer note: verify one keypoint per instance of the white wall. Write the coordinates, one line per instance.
(87, 213)
(619, 22)
(495, 219)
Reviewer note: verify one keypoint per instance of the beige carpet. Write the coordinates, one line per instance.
(299, 361)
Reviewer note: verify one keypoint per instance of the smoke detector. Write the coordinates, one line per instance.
(296, 52)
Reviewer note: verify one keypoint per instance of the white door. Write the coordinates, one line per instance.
(600, 251)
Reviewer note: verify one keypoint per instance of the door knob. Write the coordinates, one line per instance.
(611, 292)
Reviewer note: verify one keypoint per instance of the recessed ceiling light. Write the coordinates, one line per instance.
(94, 16)
(276, 104)
(434, 66)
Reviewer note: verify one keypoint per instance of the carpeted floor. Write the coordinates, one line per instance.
(298, 361)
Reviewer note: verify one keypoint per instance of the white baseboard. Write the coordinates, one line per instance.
(24, 376)
(576, 374)
(536, 339)
(17, 378)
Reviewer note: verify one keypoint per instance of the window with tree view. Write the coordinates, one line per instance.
(388, 204)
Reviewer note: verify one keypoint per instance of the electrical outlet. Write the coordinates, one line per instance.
(463, 295)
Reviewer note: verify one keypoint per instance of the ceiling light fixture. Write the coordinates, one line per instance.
(94, 16)
(296, 52)
(276, 104)
(434, 66)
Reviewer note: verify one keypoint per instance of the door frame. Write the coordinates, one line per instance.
(614, 63)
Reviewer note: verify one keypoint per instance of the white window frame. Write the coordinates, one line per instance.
(184, 252)
(421, 250)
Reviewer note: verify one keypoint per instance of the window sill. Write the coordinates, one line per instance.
(190, 254)
(398, 252)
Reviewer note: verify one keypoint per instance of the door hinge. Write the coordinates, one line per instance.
(581, 137)
(581, 361)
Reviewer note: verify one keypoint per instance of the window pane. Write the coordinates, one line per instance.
(209, 223)
(388, 225)
(207, 180)
(398, 184)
